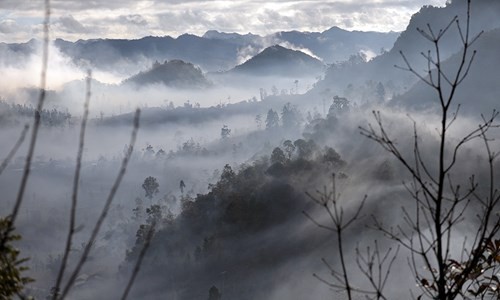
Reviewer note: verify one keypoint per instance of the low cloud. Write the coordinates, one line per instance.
(75, 18)
(71, 25)
(9, 26)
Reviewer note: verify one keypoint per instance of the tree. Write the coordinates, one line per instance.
(278, 156)
(227, 178)
(214, 294)
(329, 200)
(161, 153)
(339, 106)
(138, 211)
(272, 119)
(189, 146)
(154, 214)
(290, 116)
(12, 282)
(289, 148)
(150, 186)
(225, 132)
(149, 151)
(182, 186)
(441, 203)
(305, 149)
(331, 156)
(258, 120)
(263, 94)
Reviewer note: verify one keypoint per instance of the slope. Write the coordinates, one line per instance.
(280, 61)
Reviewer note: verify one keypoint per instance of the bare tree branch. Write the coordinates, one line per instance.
(76, 183)
(36, 126)
(138, 264)
(105, 210)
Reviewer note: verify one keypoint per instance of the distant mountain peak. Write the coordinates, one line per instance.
(275, 48)
(278, 60)
(335, 28)
(219, 35)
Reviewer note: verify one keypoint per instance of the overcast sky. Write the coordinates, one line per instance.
(21, 20)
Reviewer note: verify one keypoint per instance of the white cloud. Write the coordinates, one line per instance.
(9, 26)
(71, 25)
(75, 19)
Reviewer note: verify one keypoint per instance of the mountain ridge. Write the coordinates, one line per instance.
(484, 16)
(215, 51)
(277, 60)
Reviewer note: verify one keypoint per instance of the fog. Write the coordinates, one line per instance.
(234, 153)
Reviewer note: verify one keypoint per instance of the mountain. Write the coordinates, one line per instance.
(125, 55)
(332, 45)
(484, 16)
(17, 53)
(174, 73)
(336, 44)
(235, 38)
(217, 51)
(478, 93)
(280, 61)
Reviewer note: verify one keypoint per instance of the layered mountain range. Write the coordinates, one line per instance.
(214, 51)
(200, 61)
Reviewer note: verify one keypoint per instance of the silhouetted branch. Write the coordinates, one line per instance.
(376, 267)
(138, 264)
(329, 201)
(76, 183)
(36, 126)
(105, 210)
(440, 204)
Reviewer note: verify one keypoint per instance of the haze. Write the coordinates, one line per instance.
(247, 108)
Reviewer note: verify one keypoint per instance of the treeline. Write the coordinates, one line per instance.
(10, 114)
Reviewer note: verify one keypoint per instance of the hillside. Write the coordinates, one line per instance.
(280, 61)
(484, 16)
(332, 45)
(17, 53)
(246, 225)
(174, 73)
(336, 44)
(478, 93)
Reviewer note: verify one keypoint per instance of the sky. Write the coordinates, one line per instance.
(21, 20)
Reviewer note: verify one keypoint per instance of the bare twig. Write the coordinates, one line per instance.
(36, 125)
(329, 201)
(440, 204)
(76, 183)
(138, 264)
(105, 210)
